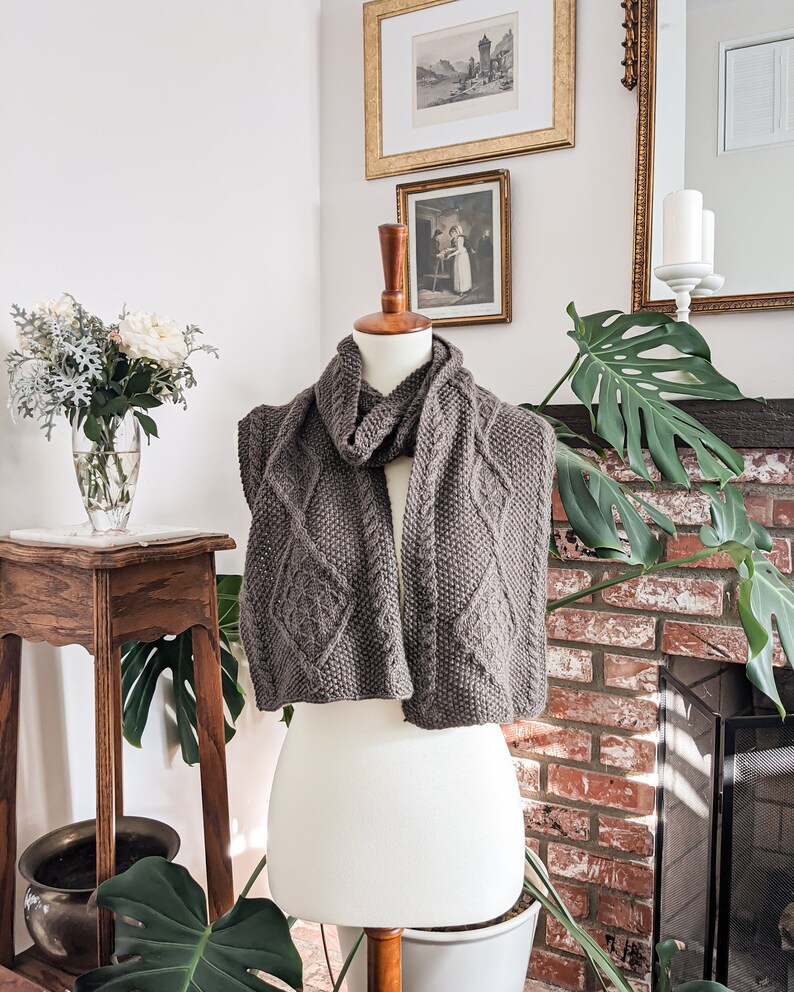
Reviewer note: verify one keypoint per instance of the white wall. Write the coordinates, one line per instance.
(572, 225)
(166, 155)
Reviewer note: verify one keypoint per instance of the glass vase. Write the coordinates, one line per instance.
(107, 471)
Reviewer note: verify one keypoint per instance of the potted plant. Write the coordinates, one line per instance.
(491, 955)
(496, 962)
(60, 869)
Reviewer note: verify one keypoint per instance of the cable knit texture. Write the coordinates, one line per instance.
(321, 618)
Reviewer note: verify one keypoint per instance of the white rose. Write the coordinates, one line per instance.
(148, 335)
(62, 307)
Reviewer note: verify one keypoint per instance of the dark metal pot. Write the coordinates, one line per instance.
(60, 869)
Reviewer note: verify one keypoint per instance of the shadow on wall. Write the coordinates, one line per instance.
(43, 783)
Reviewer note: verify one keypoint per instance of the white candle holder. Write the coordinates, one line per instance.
(682, 279)
(708, 285)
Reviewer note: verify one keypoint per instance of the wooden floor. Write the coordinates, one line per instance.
(31, 974)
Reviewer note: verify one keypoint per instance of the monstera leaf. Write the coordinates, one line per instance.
(163, 933)
(665, 952)
(143, 664)
(590, 496)
(540, 886)
(766, 598)
(618, 372)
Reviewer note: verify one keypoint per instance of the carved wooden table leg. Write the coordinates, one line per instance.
(384, 959)
(212, 758)
(118, 736)
(10, 650)
(105, 689)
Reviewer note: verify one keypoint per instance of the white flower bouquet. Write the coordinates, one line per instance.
(105, 379)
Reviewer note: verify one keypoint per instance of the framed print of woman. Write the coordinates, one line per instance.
(457, 267)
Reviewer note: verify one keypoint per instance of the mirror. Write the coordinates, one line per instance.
(716, 113)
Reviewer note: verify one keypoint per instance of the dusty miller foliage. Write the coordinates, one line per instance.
(73, 366)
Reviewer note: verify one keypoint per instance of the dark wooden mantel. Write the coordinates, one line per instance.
(741, 423)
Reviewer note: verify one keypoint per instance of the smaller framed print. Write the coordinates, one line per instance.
(453, 81)
(457, 268)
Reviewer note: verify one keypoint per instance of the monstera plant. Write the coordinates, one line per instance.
(627, 386)
(142, 665)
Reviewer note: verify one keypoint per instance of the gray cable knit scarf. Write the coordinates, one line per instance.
(321, 618)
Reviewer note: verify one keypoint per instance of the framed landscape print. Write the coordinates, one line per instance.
(452, 81)
(457, 269)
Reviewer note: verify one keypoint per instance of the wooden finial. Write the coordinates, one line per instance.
(393, 318)
(393, 239)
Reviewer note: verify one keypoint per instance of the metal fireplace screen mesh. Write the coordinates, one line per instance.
(762, 859)
(688, 737)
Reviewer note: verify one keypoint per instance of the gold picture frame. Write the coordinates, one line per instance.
(641, 298)
(559, 135)
(473, 226)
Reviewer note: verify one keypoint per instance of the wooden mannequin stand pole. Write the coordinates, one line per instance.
(384, 961)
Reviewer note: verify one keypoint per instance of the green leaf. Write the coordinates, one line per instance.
(163, 933)
(618, 373)
(143, 664)
(766, 598)
(590, 496)
(113, 407)
(702, 986)
(347, 962)
(665, 952)
(92, 430)
(145, 400)
(602, 964)
(731, 529)
(139, 382)
(565, 433)
(141, 667)
(229, 587)
(149, 426)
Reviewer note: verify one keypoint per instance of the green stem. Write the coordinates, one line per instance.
(568, 373)
(555, 604)
(257, 872)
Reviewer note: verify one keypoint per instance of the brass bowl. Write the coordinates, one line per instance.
(60, 869)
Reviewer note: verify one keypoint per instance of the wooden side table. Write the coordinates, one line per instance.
(101, 599)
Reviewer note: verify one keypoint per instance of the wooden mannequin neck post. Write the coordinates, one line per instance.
(392, 318)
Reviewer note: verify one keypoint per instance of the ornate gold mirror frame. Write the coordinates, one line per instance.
(643, 205)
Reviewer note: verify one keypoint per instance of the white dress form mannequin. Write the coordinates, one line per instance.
(373, 821)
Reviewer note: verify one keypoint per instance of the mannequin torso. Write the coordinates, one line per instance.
(373, 821)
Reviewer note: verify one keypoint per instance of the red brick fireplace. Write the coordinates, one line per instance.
(586, 767)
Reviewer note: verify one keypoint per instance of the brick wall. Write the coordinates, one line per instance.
(586, 766)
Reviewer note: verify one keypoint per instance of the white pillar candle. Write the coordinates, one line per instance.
(707, 254)
(683, 227)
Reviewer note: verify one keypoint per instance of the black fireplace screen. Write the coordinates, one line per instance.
(757, 864)
(725, 854)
